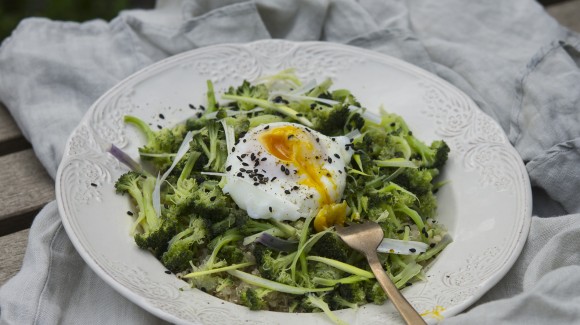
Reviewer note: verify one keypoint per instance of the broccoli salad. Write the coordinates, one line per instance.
(241, 200)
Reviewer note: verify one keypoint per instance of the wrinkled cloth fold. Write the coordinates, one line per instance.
(511, 58)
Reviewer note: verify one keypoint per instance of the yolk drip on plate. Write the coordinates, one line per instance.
(294, 146)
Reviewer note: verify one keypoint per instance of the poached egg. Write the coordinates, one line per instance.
(286, 171)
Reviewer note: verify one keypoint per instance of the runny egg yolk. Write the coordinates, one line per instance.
(293, 145)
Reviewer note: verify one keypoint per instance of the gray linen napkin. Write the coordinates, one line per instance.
(516, 62)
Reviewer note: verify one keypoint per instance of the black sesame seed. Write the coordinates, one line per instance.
(412, 250)
(202, 107)
(263, 159)
(317, 139)
(408, 284)
(340, 171)
(295, 188)
(312, 106)
(253, 157)
(393, 124)
(161, 116)
(245, 164)
(410, 133)
(159, 127)
(287, 172)
(199, 114)
(244, 141)
(287, 191)
(273, 179)
(212, 198)
(240, 175)
(191, 106)
(282, 168)
(243, 155)
(229, 168)
(432, 245)
(167, 272)
(93, 185)
(243, 170)
(277, 99)
(130, 213)
(270, 208)
(329, 160)
(239, 158)
(337, 156)
(233, 149)
(256, 184)
(266, 127)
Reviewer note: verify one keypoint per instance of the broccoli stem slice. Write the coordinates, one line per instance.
(186, 171)
(221, 243)
(413, 215)
(342, 266)
(282, 109)
(396, 162)
(141, 125)
(273, 285)
(333, 282)
(218, 270)
(211, 102)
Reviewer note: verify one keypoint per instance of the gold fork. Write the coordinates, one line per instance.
(365, 238)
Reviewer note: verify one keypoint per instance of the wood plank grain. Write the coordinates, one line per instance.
(11, 139)
(567, 13)
(12, 248)
(27, 189)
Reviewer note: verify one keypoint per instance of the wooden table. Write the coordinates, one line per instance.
(26, 187)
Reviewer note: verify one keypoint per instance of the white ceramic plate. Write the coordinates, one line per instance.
(486, 207)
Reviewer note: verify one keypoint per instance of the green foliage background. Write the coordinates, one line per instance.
(12, 11)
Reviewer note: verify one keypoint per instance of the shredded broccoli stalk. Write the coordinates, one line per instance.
(141, 125)
(412, 214)
(273, 285)
(396, 162)
(211, 101)
(282, 109)
(218, 270)
(221, 242)
(342, 266)
(334, 282)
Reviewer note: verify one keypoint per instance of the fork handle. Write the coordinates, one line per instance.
(409, 314)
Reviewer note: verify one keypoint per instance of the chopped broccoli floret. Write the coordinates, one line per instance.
(182, 247)
(353, 292)
(156, 230)
(231, 254)
(374, 292)
(255, 299)
(331, 246)
(274, 265)
(250, 91)
(160, 144)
